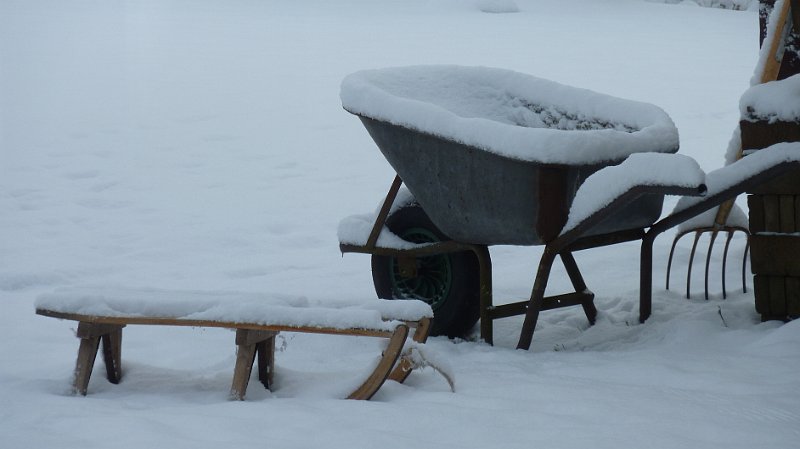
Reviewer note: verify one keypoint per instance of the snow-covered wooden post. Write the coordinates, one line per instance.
(771, 114)
(790, 57)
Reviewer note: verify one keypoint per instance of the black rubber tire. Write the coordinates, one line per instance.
(450, 283)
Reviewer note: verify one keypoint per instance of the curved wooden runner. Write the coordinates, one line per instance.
(381, 371)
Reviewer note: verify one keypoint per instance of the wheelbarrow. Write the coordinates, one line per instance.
(494, 157)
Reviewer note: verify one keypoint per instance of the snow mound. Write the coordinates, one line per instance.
(773, 101)
(498, 6)
(736, 5)
(355, 229)
(737, 218)
(510, 113)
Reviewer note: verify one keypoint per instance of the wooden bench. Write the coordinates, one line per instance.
(103, 313)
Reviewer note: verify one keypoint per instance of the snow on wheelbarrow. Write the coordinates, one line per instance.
(489, 157)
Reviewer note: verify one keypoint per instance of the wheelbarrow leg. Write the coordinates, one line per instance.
(646, 274)
(580, 285)
(537, 297)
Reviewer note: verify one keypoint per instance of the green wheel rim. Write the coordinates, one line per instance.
(434, 273)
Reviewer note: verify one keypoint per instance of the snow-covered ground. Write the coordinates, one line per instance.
(201, 145)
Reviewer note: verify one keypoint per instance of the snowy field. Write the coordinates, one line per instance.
(202, 145)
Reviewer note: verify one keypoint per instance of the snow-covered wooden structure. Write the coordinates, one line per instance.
(770, 113)
(102, 313)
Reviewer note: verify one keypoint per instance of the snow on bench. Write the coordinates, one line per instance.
(233, 307)
(103, 311)
(510, 113)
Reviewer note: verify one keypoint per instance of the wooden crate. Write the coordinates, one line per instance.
(775, 227)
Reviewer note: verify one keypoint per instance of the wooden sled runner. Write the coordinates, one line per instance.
(255, 337)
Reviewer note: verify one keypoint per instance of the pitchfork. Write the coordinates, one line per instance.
(769, 65)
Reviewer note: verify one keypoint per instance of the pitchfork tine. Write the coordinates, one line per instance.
(671, 253)
(708, 256)
(724, 262)
(691, 261)
(744, 265)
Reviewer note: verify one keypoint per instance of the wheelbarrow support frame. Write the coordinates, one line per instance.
(575, 239)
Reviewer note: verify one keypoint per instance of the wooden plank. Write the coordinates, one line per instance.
(88, 329)
(796, 213)
(762, 134)
(167, 321)
(755, 205)
(757, 135)
(775, 254)
(788, 183)
(786, 213)
(777, 297)
(761, 292)
(772, 213)
(251, 337)
(793, 297)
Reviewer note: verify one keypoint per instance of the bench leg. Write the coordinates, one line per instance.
(87, 351)
(265, 352)
(250, 344)
(91, 335)
(112, 355)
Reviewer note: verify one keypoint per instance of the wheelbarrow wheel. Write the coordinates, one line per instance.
(450, 283)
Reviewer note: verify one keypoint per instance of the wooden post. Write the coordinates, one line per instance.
(87, 351)
(248, 344)
(91, 334)
(265, 351)
(112, 355)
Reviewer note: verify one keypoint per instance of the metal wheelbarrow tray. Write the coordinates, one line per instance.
(494, 157)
